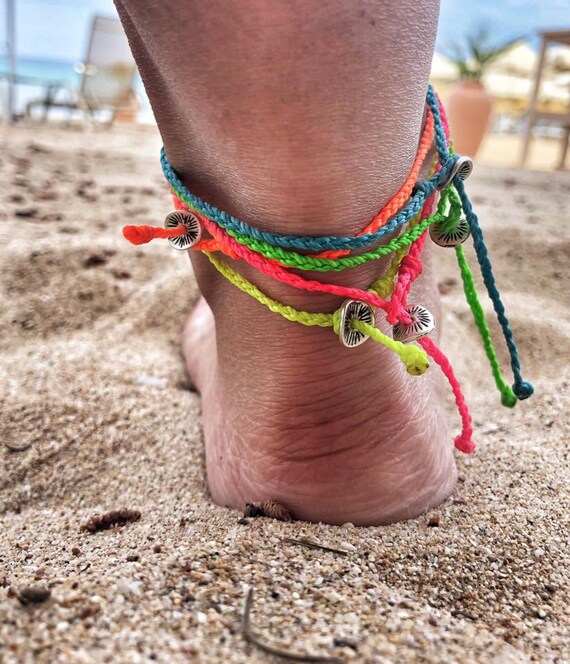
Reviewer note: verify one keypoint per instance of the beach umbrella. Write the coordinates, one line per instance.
(511, 76)
(560, 59)
(519, 61)
(10, 14)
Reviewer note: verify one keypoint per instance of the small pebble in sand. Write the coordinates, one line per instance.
(121, 274)
(345, 643)
(34, 595)
(26, 213)
(21, 446)
(46, 196)
(128, 589)
(94, 260)
(36, 148)
(147, 380)
(433, 520)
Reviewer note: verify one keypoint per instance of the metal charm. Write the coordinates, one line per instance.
(193, 229)
(422, 323)
(351, 310)
(450, 238)
(462, 167)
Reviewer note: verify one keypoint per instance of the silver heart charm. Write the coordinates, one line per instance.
(354, 310)
(450, 238)
(193, 229)
(422, 323)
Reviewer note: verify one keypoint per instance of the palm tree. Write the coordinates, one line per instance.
(473, 59)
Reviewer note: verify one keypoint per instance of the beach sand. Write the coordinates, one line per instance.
(93, 385)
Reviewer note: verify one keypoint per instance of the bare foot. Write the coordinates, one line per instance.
(335, 434)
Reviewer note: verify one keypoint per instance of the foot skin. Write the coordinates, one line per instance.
(335, 434)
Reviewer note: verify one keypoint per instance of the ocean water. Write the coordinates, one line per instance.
(42, 72)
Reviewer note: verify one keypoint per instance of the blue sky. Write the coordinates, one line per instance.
(57, 29)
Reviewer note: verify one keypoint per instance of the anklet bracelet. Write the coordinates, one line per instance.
(448, 162)
(408, 211)
(452, 168)
(416, 362)
(232, 249)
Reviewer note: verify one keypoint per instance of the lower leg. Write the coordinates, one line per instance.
(299, 117)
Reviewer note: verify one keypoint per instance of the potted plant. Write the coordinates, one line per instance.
(469, 104)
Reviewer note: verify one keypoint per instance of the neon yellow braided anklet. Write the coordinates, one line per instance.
(414, 358)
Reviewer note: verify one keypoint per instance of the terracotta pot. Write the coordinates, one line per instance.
(469, 110)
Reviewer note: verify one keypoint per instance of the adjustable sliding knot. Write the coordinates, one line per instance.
(414, 323)
(411, 266)
(394, 312)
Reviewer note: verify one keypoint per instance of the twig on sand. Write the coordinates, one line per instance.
(270, 508)
(272, 650)
(314, 545)
(110, 520)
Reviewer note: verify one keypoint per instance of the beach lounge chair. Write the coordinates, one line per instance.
(107, 75)
(561, 120)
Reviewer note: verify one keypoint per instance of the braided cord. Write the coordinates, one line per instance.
(303, 317)
(305, 243)
(424, 189)
(508, 397)
(384, 285)
(463, 441)
(392, 207)
(414, 358)
(315, 264)
(521, 388)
